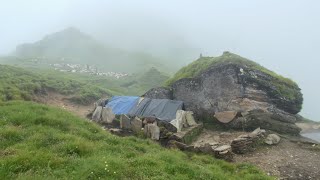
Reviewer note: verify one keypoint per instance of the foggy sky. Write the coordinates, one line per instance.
(280, 35)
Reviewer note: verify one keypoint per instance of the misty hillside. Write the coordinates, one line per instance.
(73, 46)
(28, 84)
(20, 84)
(140, 83)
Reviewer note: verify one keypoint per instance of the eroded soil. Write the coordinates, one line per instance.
(62, 101)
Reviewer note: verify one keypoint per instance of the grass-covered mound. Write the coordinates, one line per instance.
(285, 86)
(40, 142)
(20, 84)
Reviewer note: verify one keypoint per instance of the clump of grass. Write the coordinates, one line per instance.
(40, 142)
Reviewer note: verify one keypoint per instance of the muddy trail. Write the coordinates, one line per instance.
(62, 101)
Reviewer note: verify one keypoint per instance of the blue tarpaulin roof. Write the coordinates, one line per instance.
(122, 104)
(163, 109)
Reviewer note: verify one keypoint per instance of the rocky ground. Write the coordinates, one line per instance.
(287, 160)
(290, 159)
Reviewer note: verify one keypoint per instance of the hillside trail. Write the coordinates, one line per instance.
(62, 101)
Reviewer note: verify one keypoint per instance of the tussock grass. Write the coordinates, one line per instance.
(40, 142)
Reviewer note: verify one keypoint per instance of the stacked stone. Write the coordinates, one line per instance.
(218, 151)
(242, 144)
(223, 152)
(246, 143)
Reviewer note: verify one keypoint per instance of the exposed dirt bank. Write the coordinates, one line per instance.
(62, 101)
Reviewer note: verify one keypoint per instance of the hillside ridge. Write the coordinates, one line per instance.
(74, 46)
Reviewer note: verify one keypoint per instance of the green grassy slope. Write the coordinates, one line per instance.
(24, 84)
(285, 86)
(40, 142)
(134, 85)
(140, 83)
(19, 84)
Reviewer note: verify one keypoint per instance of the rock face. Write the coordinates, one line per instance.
(107, 115)
(96, 116)
(225, 116)
(159, 93)
(152, 131)
(125, 122)
(243, 87)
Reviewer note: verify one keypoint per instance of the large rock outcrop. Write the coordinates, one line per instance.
(232, 83)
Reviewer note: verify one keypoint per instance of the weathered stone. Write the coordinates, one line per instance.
(100, 102)
(180, 121)
(159, 93)
(238, 87)
(107, 115)
(188, 135)
(265, 120)
(149, 120)
(190, 118)
(225, 116)
(272, 139)
(247, 142)
(257, 132)
(242, 145)
(125, 122)
(136, 124)
(223, 152)
(152, 131)
(223, 148)
(116, 131)
(206, 148)
(168, 126)
(96, 116)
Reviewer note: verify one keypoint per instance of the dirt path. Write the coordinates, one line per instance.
(58, 100)
(287, 160)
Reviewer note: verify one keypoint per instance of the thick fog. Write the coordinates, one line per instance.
(280, 35)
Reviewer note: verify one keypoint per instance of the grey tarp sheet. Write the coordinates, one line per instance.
(162, 109)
